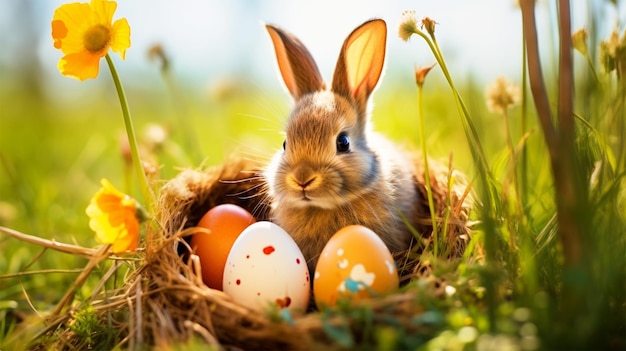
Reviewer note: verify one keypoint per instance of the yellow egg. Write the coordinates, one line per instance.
(355, 263)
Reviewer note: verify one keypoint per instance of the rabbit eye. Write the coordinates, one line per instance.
(285, 145)
(343, 143)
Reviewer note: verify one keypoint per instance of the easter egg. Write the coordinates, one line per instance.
(355, 263)
(225, 222)
(265, 267)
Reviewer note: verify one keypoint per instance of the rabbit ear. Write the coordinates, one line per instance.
(361, 61)
(297, 67)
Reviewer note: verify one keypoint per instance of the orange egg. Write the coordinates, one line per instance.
(355, 263)
(225, 222)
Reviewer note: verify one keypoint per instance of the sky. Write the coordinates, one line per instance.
(208, 40)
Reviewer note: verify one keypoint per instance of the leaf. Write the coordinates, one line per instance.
(338, 329)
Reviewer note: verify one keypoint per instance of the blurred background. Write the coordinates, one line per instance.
(210, 39)
(221, 94)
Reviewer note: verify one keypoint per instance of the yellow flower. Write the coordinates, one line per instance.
(113, 215)
(579, 41)
(85, 33)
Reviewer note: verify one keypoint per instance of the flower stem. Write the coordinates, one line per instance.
(485, 176)
(148, 196)
(513, 154)
(429, 190)
(523, 190)
(471, 132)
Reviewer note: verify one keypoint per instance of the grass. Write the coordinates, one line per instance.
(525, 283)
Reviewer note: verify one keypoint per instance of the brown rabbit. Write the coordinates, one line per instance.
(333, 170)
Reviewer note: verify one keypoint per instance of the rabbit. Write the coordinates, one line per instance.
(333, 170)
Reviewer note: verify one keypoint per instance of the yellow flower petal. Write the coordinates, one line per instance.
(129, 238)
(103, 11)
(81, 65)
(76, 18)
(59, 32)
(120, 40)
(113, 217)
(109, 188)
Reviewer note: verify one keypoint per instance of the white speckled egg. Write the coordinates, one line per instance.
(264, 267)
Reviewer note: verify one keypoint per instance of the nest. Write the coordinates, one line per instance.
(164, 301)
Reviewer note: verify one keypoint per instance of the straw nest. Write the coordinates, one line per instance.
(164, 301)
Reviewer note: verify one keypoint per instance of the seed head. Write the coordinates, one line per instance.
(157, 52)
(408, 25)
(501, 95)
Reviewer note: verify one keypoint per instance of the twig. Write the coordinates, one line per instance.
(569, 194)
(537, 85)
(204, 333)
(28, 300)
(52, 244)
(104, 279)
(560, 143)
(41, 271)
(138, 314)
(566, 79)
(100, 255)
(51, 325)
(131, 321)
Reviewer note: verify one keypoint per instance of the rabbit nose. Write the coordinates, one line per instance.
(311, 182)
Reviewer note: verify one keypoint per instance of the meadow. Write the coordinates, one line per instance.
(546, 267)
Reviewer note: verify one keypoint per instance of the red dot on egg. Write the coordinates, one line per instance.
(238, 282)
(268, 250)
(248, 256)
(282, 303)
(297, 260)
